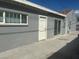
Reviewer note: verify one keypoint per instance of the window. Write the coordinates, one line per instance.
(43, 17)
(24, 19)
(13, 18)
(77, 19)
(1, 16)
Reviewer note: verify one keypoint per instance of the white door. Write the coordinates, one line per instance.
(42, 27)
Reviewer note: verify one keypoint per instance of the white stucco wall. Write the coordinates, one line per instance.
(70, 22)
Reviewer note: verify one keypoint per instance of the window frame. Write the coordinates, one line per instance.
(13, 11)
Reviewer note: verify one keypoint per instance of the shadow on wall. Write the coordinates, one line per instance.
(70, 51)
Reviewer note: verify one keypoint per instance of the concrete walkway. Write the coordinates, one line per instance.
(39, 50)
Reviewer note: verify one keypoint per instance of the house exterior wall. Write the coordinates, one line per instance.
(77, 21)
(77, 26)
(12, 36)
(15, 36)
(62, 26)
(70, 22)
(50, 27)
(73, 23)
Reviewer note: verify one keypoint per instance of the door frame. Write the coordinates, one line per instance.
(39, 27)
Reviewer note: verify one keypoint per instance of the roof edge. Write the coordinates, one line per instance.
(39, 7)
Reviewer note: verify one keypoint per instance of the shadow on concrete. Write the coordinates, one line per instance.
(70, 51)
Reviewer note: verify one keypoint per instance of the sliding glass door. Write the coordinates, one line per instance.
(57, 27)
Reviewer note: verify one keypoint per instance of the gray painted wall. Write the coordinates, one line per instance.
(62, 26)
(50, 26)
(15, 36)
